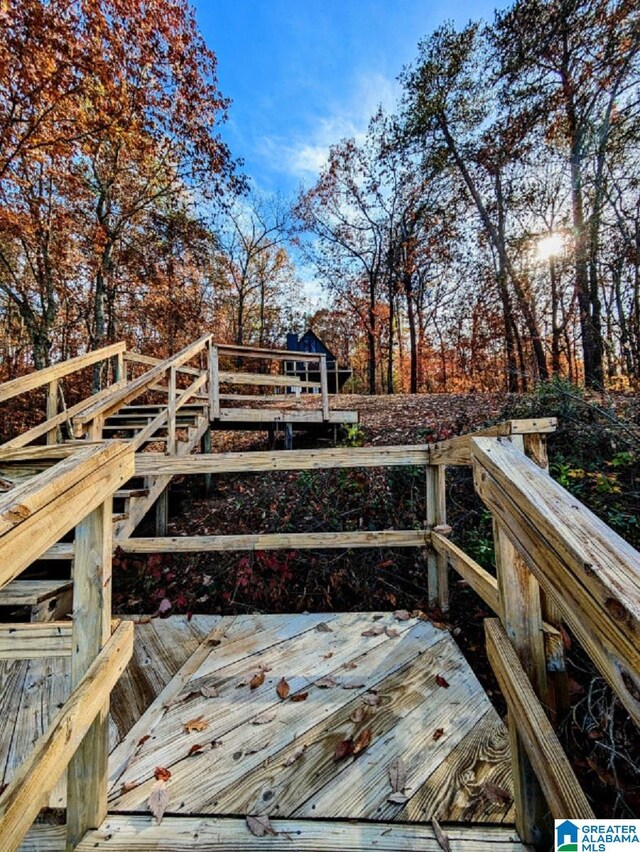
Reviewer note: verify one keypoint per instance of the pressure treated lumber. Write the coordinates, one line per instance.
(42, 377)
(591, 573)
(23, 798)
(268, 354)
(457, 451)
(277, 541)
(48, 510)
(37, 639)
(561, 788)
(227, 377)
(283, 415)
(262, 461)
(475, 575)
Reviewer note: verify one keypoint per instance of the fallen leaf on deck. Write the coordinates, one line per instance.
(143, 740)
(158, 800)
(323, 628)
(255, 749)
(401, 615)
(161, 774)
(257, 680)
(198, 724)
(358, 714)
(183, 696)
(350, 665)
(371, 699)
(441, 837)
(297, 753)
(209, 692)
(282, 689)
(398, 775)
(363, 741)
(326, 683)
(438, 733)
(196, 748)
(343, 749)
(495, 793)
(260, 825)
(397, 798)
(392, 632)
(327, 656)
(299, 696)
(265, 718)
(375, 630)
(128, 786)
(441, 681)
(356, 683)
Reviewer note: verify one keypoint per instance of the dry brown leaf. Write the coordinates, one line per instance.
(199, 724)
(209, 692)
(295, 755)
(256, 748)
(371, 699)
(282, 689)
(401, 615)
(363, 742)
(158, 800)
(327, 656)
(260, 825)
(397, 798)
(495, 793)
(442, 681)
(323, 627)
(299, 696)
(196, 748)
(356, 683)
(257, 680)
(184, 696)
(161, 774)
(438, 733)
(441, 837)
(350, 665)
(358, 714)
(128, 786)
(374, 630)
(343, 749)
(326, 683)
(392, 632)
(398, 775)
(143, 740)
(265, 718)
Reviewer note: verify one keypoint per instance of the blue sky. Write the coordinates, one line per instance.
(305, 73)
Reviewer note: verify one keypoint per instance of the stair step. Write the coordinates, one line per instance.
(49, 599)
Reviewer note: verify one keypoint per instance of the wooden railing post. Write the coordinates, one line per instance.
(119, 372)
(437, 563)
(171, 412)
(87, 774)
(52, 410)
(324, 388)
(557, 695)
(214, 382)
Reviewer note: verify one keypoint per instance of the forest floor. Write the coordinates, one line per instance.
(603, 754)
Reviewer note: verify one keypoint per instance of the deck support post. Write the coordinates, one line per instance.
(171, 413)
(324, 388)
(162, 513)
(87, 773)
(214, 382)
(521, 615)
(288, 436)
(437, 564)
(205, 447)
(52, 410)
(558, 700)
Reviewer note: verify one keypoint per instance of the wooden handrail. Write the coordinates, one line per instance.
(261, 352)
(589, 571)
(134, 388)
(40, 772)
(43, 377)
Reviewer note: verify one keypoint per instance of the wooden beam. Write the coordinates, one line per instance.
(559, 784)
(588, 570)
(87, 775)
(262, 461)
(55, 501)
(457, 451)
(40, 772)
(136, 358)
(277, 541)
(437, 565)
(42, 377)
(38, 639)
(480, 580)
(275, 354)
(264, 379)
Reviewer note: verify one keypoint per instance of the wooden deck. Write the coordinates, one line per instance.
(404, 684)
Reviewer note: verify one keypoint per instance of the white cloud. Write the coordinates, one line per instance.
(304, 157)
